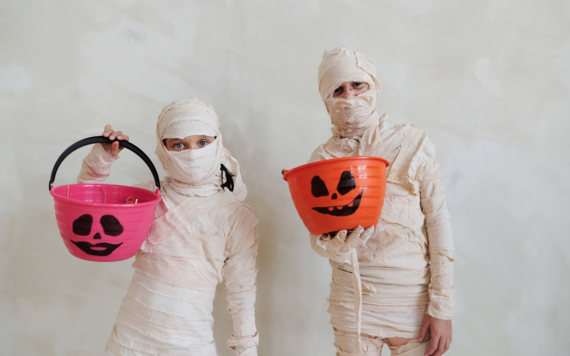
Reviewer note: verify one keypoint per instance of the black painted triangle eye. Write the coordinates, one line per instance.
(82, 225)
(111, 225)
(318, 187)
(346, 183)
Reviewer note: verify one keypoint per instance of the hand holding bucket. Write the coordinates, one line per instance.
(98, 222)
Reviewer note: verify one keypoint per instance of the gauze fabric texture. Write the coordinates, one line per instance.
(372, 345)
(182, 129)
(355, 116)
(195, 172)
(406, 266)
(200, 235)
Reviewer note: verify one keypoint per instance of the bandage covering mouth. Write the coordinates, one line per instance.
(350, 116)
(195, 171)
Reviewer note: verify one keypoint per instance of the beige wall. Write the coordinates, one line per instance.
(489, 80)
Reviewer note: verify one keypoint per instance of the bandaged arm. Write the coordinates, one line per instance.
(96, 166)
(240, 273)
(438, 228)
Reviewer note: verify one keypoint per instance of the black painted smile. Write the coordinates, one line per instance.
(101, 249)
(344, 210)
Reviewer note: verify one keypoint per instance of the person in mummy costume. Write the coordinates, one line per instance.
(403, 295)
(202, 233)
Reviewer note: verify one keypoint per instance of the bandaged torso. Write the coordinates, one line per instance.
(220, 242)
(173, 248)
(413, 230)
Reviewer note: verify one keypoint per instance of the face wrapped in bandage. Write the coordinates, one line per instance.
(190, 147)
(351, 116)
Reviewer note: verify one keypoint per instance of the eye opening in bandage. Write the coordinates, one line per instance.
(182, 139)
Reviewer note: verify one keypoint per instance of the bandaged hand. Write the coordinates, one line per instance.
(339, 247)
(113, 148)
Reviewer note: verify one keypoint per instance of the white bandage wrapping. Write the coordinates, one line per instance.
(406, 267)
(201, 235)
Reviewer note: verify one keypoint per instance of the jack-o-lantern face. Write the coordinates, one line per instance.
(345, 185)
(111, 226)
(339, 193)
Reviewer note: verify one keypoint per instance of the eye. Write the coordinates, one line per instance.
(82, 225)
(338, 91)
(318, 187)
(179, 145)
(357, 84)
(111, 225)
(203, 143)
(346, 183)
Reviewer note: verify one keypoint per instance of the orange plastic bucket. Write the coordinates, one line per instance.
(338, 194)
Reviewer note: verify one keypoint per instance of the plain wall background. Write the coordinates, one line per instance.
(489, 80)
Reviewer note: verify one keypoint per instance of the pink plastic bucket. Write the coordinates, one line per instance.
(103, 222)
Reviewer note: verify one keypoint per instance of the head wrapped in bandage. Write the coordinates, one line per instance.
(350, 116)
(195, 171)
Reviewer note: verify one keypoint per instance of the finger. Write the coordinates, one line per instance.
(367, 234)
(107, 128)
(115, 148)
(441, 348)
(341, 235)
(358, 231)
(121, 137)
(434, 343)
(354, 239)
(423, 330)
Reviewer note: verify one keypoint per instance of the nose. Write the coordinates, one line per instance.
(347, 92)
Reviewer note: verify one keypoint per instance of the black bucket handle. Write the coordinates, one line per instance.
(102, 139)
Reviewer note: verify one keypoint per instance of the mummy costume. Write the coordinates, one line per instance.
(201, 234)
(406, 266)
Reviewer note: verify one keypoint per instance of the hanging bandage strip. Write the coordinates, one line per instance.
(357, 296)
